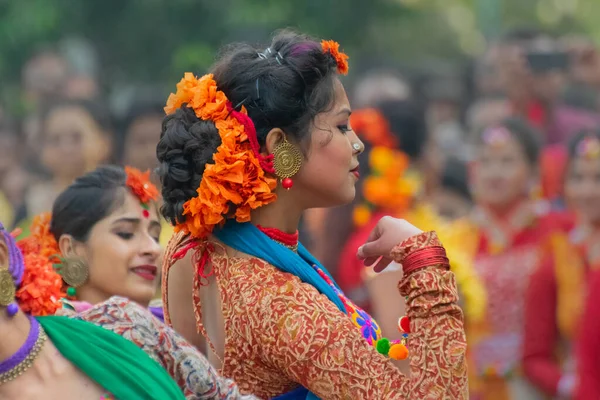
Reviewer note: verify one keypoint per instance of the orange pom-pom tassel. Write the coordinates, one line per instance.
(398, 352)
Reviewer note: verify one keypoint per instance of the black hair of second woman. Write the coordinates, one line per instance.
(527, 137)
(91, 198)
(577, 138)
(284, 86)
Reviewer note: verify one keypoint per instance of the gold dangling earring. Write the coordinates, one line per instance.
(74, 272)
(287, 160)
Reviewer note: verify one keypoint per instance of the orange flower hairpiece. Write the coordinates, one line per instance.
(341, 58)
(372, 126)
(139, 184)
(236, 183)
(41, 287)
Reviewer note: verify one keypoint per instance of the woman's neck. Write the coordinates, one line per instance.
(13, 331)
(279, 215)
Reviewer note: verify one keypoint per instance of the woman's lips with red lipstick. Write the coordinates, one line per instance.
(147, 272)
(355, 172)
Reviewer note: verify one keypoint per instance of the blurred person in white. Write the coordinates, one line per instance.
(75, 139)
(13, 178)
(82, 80)
(444, 97)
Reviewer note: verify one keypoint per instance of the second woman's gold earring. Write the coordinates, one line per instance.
(74, 272)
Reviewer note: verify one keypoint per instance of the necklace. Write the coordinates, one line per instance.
(289, 240)
(23, 359)
(368, 327)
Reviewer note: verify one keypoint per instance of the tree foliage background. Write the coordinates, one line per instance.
(142, 41)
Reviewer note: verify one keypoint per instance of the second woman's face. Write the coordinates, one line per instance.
(501, 174)
(582, 188)
(122, 253)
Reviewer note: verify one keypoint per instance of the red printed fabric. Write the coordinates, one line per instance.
(281, 333)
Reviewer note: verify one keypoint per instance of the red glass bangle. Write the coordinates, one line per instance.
(426, 257)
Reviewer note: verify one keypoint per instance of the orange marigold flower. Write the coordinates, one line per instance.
(341, 59)
(139, 184)
(42, 240)
(235, 184)
(42, 287)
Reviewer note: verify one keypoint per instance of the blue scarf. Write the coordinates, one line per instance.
(248, 239)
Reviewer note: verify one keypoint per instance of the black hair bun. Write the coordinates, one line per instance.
(186, 146)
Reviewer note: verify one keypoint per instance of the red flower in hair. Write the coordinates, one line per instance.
(140, 185)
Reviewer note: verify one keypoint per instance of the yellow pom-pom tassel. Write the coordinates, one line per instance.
(398, 352)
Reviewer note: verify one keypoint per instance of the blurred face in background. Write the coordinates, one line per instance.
(140, 142)
(582, 188)
(501, 174)
(44, 76)
(73, 142)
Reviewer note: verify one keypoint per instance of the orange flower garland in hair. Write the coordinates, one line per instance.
(236, 183)
(341, 58)
(42, 287)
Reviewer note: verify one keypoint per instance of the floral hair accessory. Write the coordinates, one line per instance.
(496, 136)
(139, 184)
(589, 147)
(41, 287)
(373, 127)
(237, 182)
(341, 58)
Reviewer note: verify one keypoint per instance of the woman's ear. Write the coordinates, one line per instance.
(68, 246)
(274, 137)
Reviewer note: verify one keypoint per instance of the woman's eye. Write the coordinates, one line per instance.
(125, 235)
(343, 128)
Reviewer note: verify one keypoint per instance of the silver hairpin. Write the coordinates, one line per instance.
(279, 57)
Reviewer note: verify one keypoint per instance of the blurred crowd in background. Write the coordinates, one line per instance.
(85, 84)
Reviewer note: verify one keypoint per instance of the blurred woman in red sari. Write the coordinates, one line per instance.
(558, 289)
(508, 227)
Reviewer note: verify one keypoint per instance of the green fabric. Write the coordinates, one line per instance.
(116, 364)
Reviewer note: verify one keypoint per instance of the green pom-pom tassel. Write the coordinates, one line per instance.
(383, 346)
(71, 292)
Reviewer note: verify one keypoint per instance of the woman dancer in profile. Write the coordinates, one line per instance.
(244, 151)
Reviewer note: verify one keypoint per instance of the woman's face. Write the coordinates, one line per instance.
(73, 143)
(122, 254)
(329, 174)
(582, 188)
(501, 173)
